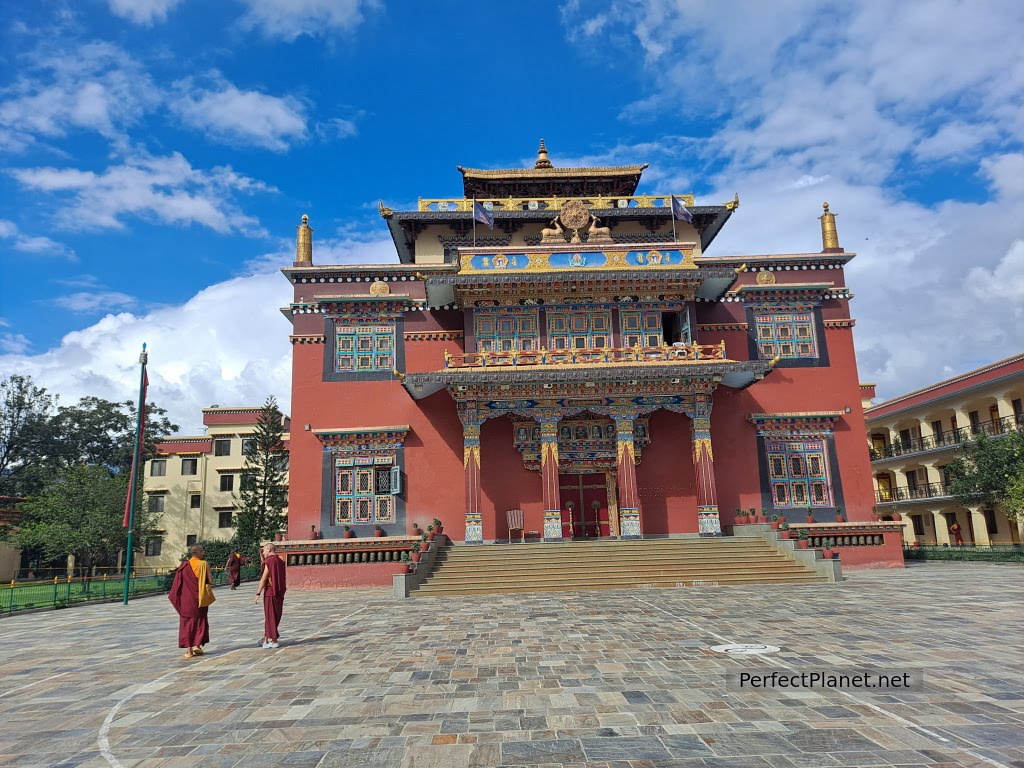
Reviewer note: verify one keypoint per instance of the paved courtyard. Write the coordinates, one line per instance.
(610, 679)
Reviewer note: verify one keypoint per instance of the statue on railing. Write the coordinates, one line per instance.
(598, 234)
(553, 234)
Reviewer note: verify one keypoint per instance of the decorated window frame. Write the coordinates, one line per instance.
(797, 458)
(507, 330)
(365, 487)
(364, 347)
(787, 335)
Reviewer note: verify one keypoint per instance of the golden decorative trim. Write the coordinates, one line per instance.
(379, 288)
(551, 204)
(549, 173)
(764, 277)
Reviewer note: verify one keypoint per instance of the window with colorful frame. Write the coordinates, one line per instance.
(799, 474)
(785, 334)
(506, 331)
(364, 490)
(640, 329)
(361, 348)
(579, 330)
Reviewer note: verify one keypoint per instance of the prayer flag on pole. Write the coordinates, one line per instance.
(679, 211)
(140, 438)
(482, 215)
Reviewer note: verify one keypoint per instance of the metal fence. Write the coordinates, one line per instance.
(64, 592)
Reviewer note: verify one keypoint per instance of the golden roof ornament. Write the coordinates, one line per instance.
(304, 244)
(385, 212)
(575, 215)
(379, 288)
(765, 278)
(829, 234)
(542, 157)
(733, 204)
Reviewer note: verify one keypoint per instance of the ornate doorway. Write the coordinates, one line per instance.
(584, 504)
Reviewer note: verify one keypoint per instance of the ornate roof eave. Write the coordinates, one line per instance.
(707, 219)
(731, 373)
(565, 277)
(612, 180)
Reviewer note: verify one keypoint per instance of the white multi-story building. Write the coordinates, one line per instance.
(193, 483)
(915, 437)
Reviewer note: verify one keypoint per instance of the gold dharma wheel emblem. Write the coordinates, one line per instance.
(575, 215)
(379, 288)
(765, 278)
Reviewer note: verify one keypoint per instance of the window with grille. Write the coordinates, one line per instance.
(360, 348)
(189, 466)
(785, 335)
(798, 473)
(641, 329)
(581, 330)
(506, 332)
(222, 447)
(364, 490)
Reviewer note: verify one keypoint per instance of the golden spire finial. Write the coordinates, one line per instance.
(542, 157)
(829, 234)
(304, 244)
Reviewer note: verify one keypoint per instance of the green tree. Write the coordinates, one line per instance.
(263, 491)
(991, 471)
(25, 414)
(80, 513)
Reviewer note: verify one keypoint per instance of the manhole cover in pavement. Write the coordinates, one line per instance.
(745, 649)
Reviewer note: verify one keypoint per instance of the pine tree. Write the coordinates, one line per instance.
(263, 490)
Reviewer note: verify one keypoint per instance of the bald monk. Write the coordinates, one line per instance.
(191, 597)
(272, 586)
(234, 569)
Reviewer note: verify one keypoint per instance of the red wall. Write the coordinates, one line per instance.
(348, 575)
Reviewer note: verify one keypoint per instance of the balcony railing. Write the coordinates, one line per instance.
(550, 203)
(676, 354)
(913, 493)
(949, 438)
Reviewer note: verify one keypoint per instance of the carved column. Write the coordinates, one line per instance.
(471, 421)
(708, 523)
(549, 479)
(629, 496)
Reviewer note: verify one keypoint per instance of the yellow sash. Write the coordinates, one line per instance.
(202, 572)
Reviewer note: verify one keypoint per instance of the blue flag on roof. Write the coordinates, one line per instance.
(482, 215)
(679, 210)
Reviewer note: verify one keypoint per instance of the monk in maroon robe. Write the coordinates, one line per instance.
(191, 596)
(234, 569)
(272, 585)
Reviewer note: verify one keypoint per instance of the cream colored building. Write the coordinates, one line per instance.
(914, 438)
(193, 481)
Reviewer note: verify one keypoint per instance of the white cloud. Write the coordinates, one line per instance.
(95, 87)
(234, 116)
(228, 344)
(145, 12)
(165, 189)
(290, 19)
(34, 244)
(90, 301)
(1003, 284)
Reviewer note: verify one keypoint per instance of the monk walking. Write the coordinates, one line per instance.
(191, 596)
(234, 569)
(272, 586)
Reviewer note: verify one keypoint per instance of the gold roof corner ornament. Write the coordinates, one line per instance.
(829, 233)
(542, 157)
(304, 243)
(399, 376)
(421, 276)
(741, 268)
(733, 204)
(385, 212)
(774, 361)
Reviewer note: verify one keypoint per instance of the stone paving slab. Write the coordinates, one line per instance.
(603, 679)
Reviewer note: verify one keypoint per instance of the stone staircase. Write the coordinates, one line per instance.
(493, 568)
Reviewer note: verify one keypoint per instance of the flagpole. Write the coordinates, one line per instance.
(134, 480)
(474, 221)
(672, 210)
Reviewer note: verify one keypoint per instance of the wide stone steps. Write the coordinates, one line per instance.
(610, 565)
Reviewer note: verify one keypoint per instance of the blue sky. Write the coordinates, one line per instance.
(156, 155)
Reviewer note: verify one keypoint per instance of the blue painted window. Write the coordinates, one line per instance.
(364, 348)
(506, 331)
(579, 330)
(363, 491)
(786, 335)
(640, 329)
(799, 474)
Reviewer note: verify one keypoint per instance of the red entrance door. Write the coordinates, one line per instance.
(584, 502)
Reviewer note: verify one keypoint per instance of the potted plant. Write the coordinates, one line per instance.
(438, 528)
(425, 541)
(765, 517)
(784, 530)
(802, 540)
(416, 529)
(775, 522)
(349, 533)
(379, 532)
(406, 560)
(840, 517)
(810, 515)
(414, 552)
(827, 551)
(752, 514)
(430, 533)
(741, 516)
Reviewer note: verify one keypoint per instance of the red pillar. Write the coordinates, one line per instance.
(629, 496)
(471, 467)
(708, 523)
